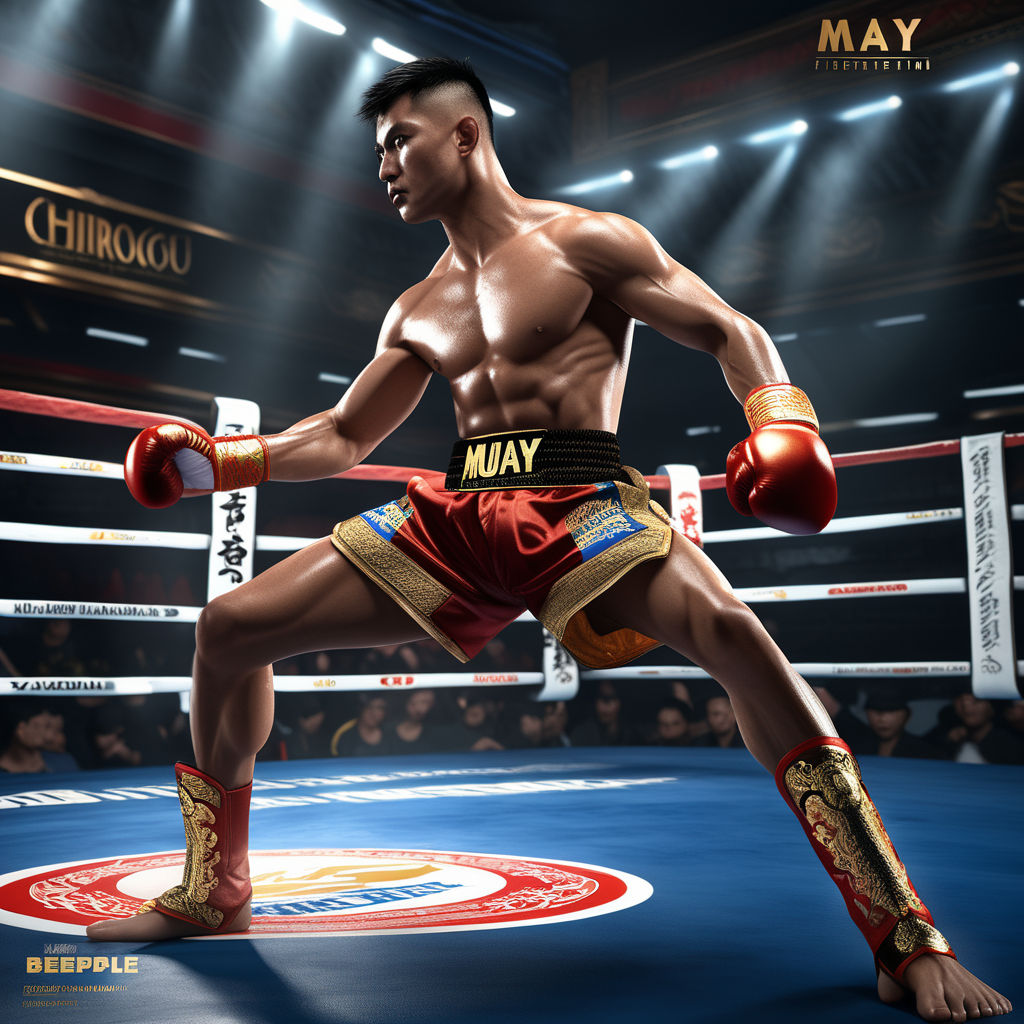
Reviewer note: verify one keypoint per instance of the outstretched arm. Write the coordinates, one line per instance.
(626, 265)
(172, 461)
(377, 401)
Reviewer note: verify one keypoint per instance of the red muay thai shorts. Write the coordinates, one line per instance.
(537, 519)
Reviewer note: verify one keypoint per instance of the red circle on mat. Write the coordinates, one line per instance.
(336, 892)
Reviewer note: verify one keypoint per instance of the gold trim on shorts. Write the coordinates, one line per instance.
(563, 611)
(397, 575)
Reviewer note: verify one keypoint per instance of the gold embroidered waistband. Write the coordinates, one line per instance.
(534, 458)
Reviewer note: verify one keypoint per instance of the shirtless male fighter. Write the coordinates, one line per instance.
(529, 314)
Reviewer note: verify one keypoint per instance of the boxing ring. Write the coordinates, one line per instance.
(599, 884)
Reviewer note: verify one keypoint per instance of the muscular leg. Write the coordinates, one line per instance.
(686, 603)
(313, 600)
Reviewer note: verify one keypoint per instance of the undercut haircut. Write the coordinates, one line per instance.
(419, 76)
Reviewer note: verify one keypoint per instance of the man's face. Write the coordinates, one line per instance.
(418, 706)
(887, 725)
(418, 159)
(32, 733)
(973, 712)
(607, 705)
(720, 716)
(556, 716)
(671, 724)
(375, 711)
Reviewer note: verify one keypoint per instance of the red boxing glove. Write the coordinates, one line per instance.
(782, 473)
(163, 462)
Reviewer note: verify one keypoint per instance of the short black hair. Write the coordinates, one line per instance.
(417, 76)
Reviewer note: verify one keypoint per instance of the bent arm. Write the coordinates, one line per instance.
(377, 401)
(627, 266)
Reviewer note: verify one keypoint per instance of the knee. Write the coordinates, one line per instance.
(729, 630)
(220, 631)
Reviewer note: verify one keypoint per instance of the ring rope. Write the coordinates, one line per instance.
(90, 412)
(47, 534)
(15, 686)
(57, 686)
(131, 611)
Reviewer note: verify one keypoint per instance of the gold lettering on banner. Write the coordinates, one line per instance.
(86, 234)
(838, 36)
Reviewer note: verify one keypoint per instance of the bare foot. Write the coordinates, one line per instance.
(154, 926)
(944, 990)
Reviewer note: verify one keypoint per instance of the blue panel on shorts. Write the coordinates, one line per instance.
(601, 522)
(387, 519)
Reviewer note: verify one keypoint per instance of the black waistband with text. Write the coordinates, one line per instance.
(534, 458)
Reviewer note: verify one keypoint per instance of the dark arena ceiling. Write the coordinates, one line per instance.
(882, 253)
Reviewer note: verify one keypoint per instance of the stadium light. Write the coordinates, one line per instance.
(856, 113)
(697, 156)
(296, 9)
(1007, 70)
(385, 49)
(198, 353)
(898, 321)
(785, 131)
(597, 183)
(126, 339)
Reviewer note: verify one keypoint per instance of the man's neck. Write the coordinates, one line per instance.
(490, 213)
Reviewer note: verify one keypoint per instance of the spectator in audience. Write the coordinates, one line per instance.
(79, 714)
(672, 725)
(414, 733)
(553, 724)
(848, 725)
(888, 713)
(363, 736)
(475, 728)
(722, 724)
(54, 653)
(54, 745)
(524, 727)
(142, 715)
(1011, 717)
(112, 747)
(975, 737)
(309, 736)
(391, 659)
(173, 728)
(23, 729)
(606, 728)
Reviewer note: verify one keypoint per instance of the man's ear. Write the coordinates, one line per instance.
(467, 135)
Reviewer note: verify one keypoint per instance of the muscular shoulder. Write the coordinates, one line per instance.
(391, 331)
(606, 247)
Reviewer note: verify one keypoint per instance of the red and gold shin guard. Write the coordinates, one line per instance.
(215, 883)
(820, 780)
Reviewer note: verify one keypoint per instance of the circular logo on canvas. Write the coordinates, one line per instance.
(334, 892)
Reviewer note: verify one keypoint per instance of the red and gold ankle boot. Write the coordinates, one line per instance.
(215, 883)
(820, 780)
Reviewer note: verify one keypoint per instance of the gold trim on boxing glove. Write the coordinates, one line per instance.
(773, 402)
(242, 461)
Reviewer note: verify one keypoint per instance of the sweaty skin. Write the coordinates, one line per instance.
(528, 314)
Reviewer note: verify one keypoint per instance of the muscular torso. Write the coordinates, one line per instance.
(523, 339)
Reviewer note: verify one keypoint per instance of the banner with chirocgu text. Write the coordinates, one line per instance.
(989, 567)
(233, 533)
